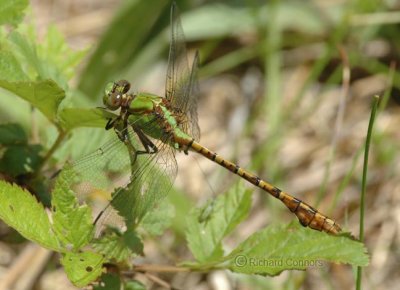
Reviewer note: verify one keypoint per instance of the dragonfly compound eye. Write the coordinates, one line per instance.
(113, 92)
(112, 101)
(122, 86)
(110, 88)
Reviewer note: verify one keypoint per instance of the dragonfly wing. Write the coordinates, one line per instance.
(181, 83)
(150, 182)
(192, 96)
(135, 189)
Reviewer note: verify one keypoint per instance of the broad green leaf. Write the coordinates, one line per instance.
(12, 134)
(50, 59)
(10, 68)
(130, 31)
(288, 247)
(72, 222)
(119, 247)
(12, 12)
(24, 49)
(82, 268)
(109, 281)
(61, 61)
(75, 117)
(21, 211)
(45, 95)
(21, 159)
(158, 219)
(205, 238)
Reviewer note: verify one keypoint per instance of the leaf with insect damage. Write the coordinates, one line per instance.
(82, 268)
(72, 221)
(21, 211)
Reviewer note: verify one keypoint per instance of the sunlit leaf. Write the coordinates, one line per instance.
(76, 117)
(20, 210)
(82, 268)
(45, 95)
(279, 248)
(72, 221)
(10, 68)
(12, 12)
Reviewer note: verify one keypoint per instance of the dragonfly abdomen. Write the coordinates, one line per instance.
(307, 215)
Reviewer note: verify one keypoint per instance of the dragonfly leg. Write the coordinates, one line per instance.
(110, 123)
(149, 146)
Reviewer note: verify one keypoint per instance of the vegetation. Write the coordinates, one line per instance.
(48, 99)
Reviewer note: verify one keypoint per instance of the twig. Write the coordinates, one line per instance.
(62, 134)
(158, 281)
(159, 268)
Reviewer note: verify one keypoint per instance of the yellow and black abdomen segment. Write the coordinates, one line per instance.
(307, 215)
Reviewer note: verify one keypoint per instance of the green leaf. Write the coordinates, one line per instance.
(51, 59)
(20, 210)
(75, 117)
(24, 48)
(21, 159)
(288, 247)
(109, 281)
(10, 68)
(72, 222)
(82, 268)
(158, 219)
(60, 60)
(205, 238)
(119, 247)
(45, 95)
(12, 134)
(12, 12)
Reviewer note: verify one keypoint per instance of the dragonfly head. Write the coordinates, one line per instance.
(114, 94)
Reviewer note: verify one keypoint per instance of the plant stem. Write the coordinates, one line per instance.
(61, 135)
(159, 268)
(364, 181)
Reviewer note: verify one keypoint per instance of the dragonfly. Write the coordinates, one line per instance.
(152, 129)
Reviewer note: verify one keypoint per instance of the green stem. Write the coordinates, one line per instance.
(61, 135)
(364, 181)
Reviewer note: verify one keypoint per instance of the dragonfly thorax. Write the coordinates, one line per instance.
(115, 94)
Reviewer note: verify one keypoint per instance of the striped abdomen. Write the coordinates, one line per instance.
(307, 215)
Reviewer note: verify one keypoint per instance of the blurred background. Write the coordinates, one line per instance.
(285, 91)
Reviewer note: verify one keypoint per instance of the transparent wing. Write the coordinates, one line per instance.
(151, 180)
(191, 105)
(134, 189)
(181, 83)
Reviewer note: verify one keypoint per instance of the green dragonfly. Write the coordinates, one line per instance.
(151, 129)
